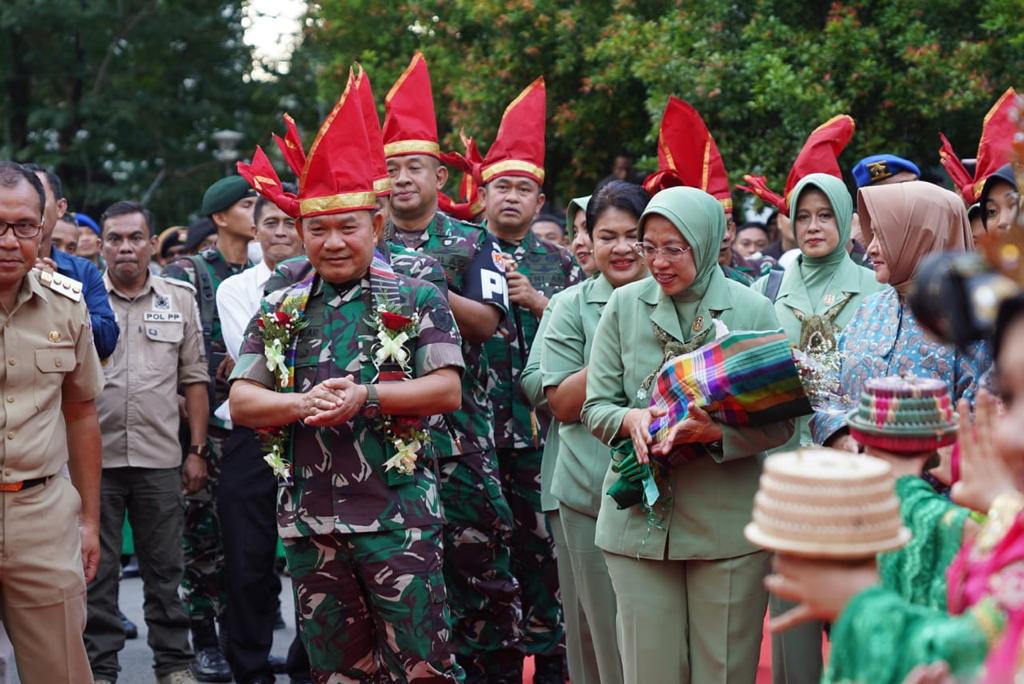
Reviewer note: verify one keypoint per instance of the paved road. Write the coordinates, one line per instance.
(136, 658)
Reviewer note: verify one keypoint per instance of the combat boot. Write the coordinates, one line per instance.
(548, 669)
(502, 667)
(210, 664)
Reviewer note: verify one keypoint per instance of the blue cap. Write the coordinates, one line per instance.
(878, 167)
(85, 220)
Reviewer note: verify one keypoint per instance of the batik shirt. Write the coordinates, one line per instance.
(220, 270)
(883, 339)
(550, 269)
(339, 481)
(467, 255)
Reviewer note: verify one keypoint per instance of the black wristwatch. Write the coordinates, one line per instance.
(371, 407)
(200, 450)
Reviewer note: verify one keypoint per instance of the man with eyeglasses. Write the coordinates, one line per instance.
(161, 349)
(104, 327)
(50, 376)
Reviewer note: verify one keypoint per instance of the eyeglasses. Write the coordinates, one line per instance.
(23, 230)
(650, 252)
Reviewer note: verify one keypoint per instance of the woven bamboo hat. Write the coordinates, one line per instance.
(904, 415)
(823, 503)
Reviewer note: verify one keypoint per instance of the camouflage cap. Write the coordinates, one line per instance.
(225, 192)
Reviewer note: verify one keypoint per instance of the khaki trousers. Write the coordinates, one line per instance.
(596, 600)
(690, 620)
(579, 646)
(42, 588)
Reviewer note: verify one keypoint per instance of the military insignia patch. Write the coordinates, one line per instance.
(161, 303)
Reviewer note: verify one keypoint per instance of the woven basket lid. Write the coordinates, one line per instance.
(904, 414)
(824, 503)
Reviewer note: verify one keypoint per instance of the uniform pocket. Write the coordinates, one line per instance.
(51, 365)
(169, 332)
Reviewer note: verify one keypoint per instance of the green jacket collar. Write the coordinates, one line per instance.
(715, 300)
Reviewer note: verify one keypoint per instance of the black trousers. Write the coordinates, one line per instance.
(247, 505)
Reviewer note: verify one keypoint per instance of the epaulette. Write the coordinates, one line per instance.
(179, 283)
(69, 287)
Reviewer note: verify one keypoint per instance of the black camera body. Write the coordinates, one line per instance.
(956, 296)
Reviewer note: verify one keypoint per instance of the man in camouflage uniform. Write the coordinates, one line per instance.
(536, 270)
(362, 534)
(229, 203)
(478, 520)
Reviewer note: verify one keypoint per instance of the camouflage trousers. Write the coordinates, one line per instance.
(533, 553)
(482, 591)
(202, 584)
(372, 606)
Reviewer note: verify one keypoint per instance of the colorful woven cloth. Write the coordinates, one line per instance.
(743, 378)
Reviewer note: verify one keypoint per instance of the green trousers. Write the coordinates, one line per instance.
(601, 663)
(796, 653)
(579, 647)
(688, 621)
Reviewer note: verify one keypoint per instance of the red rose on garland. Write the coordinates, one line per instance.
(282, 317)
(394, 321)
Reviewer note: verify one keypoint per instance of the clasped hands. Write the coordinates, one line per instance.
(332, 402)
(696, 428)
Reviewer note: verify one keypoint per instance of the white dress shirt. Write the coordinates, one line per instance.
(238, 300)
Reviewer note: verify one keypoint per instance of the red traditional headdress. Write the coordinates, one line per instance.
(338, 172)
(381, 179)
(994, 149)
(688, 155)
(518, 149)
(409, 123)
(470, 204)
(820, 154)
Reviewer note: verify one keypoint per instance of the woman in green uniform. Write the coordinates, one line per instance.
(612, 216)
(814, 300)
(688, 585)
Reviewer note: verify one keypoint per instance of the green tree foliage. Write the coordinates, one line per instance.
(121, 96)
(763, 73)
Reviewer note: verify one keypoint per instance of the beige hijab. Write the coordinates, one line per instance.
(911, 220)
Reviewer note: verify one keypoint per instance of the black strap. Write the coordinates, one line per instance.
(207, 310)
(771, 289)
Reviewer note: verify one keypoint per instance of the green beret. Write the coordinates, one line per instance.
(225, 192)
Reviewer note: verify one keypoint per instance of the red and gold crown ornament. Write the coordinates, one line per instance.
(410, 126)
(518, 148)
(688, 155)
(338, 171)
(381, 179)
(994, 149)
(470, 205)
(820, 154)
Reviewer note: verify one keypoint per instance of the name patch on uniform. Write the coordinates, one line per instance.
(162, 317)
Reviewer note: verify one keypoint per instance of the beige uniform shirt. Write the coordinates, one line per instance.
(47, 357)
(160, 347)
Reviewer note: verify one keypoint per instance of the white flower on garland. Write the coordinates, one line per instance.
(274, 351)
(392, 347)
(275, 459)
(404, 461)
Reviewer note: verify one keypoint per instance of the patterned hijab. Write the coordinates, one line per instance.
(911, 220)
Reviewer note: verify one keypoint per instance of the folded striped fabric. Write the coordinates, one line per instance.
(742, 378)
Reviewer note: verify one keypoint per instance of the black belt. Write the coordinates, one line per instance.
(24, 484)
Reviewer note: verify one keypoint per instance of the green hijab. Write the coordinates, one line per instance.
(821, 274)
(700, 219)
(576, 205)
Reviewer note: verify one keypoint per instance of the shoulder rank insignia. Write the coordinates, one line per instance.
(70, 288)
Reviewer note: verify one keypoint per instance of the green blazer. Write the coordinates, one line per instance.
(532, 387)
(851, 279)
(582, 461)
(711, 497)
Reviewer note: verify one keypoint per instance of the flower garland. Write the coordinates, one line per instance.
(405, 435)
(280, 330)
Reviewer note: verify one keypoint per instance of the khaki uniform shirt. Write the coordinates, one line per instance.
(46, 357)
(161, 346)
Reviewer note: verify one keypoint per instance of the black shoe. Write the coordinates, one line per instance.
(279, 621)
(300, 679)
(210, 666)
(131, 630)
(502, 667)
(547, 669)
(131, 568)
(278, 665)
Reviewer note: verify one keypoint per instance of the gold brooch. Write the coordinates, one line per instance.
(829, 299)
(698, 323)
(53, 336)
